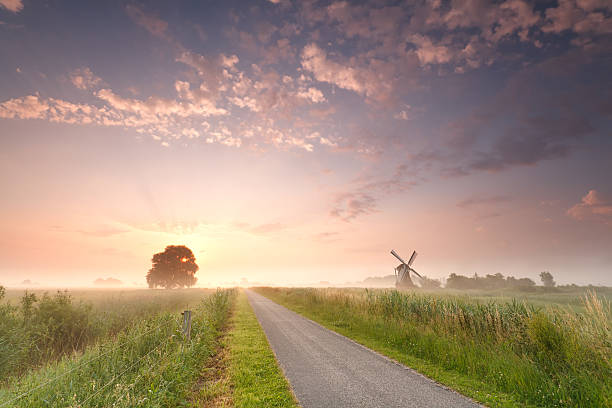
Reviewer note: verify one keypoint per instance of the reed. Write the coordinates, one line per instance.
(545, 356)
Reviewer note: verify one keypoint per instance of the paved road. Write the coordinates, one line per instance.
(326, 369)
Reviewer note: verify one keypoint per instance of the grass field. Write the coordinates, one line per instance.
(534, 352)
(38, 327)
(145, 363)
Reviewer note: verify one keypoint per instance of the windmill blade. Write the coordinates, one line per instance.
(414, 254)
(416, 273)
(397, 256)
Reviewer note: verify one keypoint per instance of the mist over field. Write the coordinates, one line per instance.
(258, 203)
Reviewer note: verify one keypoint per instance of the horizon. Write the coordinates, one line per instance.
(299, 142)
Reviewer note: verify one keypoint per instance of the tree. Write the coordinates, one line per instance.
(547, 279)
(428, 283)
(173, 268)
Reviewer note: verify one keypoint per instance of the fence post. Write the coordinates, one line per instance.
(187, 324)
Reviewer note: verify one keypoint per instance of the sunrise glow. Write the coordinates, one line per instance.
(298, 142)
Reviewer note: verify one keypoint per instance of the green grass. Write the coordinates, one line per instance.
(500, 353)
(564, 296)
(149, 364)
(38, 327)
(256, 378)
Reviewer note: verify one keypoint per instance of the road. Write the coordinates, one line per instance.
(326, 369)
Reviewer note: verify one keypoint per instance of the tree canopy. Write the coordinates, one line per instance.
(173, 268)
(547, 279)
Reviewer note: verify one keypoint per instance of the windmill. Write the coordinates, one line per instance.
(402, 271)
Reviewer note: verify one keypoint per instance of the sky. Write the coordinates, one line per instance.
(293, 142)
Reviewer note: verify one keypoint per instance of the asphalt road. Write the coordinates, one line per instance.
(326, 369)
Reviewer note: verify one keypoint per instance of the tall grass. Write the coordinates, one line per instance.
(39, 327)
(549, 356)
(150, 365)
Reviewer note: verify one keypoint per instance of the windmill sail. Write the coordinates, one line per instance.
(416, 273)
(414, 254)
(397, 256)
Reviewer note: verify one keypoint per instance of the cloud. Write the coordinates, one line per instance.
(349, 206)
(367, 22)
(214, 72)
(430, 53)
(544, 112)
(584, 17)
(84, 79)
(312, 94)
(164, 119)
(594, 205)
(495, 21)
(314, 59)
(155, 107)
(26, 107)
(152, 24)
(12, 5)
(348, 75)
(404, 114)
(535, 139)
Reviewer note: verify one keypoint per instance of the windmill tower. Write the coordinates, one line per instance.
(402, 272)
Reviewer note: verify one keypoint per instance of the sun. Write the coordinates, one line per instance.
(184, 259)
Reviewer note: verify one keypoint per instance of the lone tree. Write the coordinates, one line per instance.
(173, 268)
(547, 279)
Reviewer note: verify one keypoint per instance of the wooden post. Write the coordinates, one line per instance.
(187, 324)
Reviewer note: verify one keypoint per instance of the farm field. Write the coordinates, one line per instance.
(106, 348)
(540, 349)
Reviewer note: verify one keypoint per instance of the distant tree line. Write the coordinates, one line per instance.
(496, 281)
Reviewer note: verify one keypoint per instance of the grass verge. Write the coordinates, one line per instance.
(255, 376)
(213, 389)
(503, 355)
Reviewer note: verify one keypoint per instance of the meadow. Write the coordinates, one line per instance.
(106, 348)
(546, 348)
(40, 326)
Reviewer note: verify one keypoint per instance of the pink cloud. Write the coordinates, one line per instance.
(12, 5)
(349, 206)
(312, 94)
(215, 72)
(349, 75)
(159, 107)
(152, 24)
(579, 16)
(315, 60)
(430, 53)
(594, 205)
(26, 107)
(84, 79)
